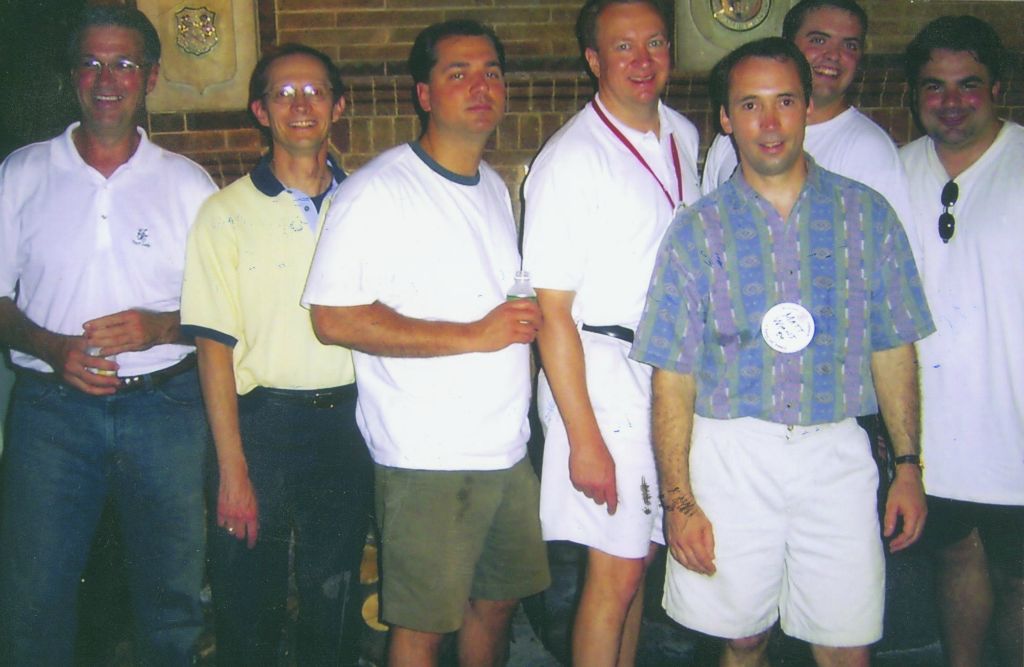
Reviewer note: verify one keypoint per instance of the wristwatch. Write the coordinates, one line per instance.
(915, 459)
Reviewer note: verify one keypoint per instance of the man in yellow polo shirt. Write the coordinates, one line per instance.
(280, 404)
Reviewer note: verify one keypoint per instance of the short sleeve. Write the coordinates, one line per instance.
(350, 262)
(899, 309)
(554, 245)
(672, 325)
(9, 232)
(210, 298)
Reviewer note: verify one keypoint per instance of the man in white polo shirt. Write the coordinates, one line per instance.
(281, 405)
(411, 273)
(106, 403)
(598, 200)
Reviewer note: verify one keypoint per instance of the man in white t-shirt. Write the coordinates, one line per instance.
(967, 189)
(598, 200)
(831, 35)
(411, 272)
(106, 404)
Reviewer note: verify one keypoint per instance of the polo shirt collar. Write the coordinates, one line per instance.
(144, 156)
(265, 181)
(627, 130)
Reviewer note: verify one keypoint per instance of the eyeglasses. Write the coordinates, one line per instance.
(288, 93)
(947, 223)
(121, 68)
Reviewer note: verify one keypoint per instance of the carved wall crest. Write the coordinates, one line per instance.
(740, 15)
(196, 30)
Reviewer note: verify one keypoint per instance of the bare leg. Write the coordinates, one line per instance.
(965, 601)
(412, 648)
(483, 639)
(841, 656)
(634, 617)
(746, 652)
(609, 588)
(1009, 617)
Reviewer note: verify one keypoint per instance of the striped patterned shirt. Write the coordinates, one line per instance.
(841, 254)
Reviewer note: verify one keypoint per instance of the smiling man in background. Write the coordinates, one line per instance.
(831, 34)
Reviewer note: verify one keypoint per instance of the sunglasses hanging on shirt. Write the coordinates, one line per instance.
(947, 223)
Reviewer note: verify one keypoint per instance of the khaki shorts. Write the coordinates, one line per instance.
(449, 536)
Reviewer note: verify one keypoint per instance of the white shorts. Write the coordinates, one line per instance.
(795, 524)
(620, 392)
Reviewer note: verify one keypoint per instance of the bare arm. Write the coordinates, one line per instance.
(380, 330)
(591, 467)
(65, 354)
(237, 508)
(895, 375)
(688, 532)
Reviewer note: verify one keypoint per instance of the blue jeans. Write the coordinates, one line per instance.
(67, 453)
(312, 474)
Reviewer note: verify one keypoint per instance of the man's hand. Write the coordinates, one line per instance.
(690, 538)
(592, 472)
(689, 535)
(130, 331)
(515, 321)
(68, 357)
(237, 509)
(906, 500)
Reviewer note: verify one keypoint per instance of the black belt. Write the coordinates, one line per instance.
(613, 330)
(316, 398)
(129, 383)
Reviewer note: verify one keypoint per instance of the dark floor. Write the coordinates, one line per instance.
(540, 630)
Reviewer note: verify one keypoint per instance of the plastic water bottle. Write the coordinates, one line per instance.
(521, 287)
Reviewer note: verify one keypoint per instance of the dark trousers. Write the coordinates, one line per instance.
(67, 453)
(312, 474)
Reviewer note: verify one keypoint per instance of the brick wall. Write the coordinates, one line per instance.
(374, 36)
(371, 38)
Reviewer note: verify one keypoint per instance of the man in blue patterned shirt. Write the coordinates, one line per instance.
(782, 306)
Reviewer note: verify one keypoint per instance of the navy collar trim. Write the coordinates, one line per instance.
(450, 175)
(265, 181)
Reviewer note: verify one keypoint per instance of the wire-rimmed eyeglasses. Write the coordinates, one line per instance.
(947, 223)
(122, 67)
(288, 93)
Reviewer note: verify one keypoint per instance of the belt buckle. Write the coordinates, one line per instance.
(131, 383)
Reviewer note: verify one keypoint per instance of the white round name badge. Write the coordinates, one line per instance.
(787, 327)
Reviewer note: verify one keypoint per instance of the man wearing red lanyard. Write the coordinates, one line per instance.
(598, 200)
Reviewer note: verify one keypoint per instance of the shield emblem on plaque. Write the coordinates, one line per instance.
(204, 54)
(196, 30)
(740, 15)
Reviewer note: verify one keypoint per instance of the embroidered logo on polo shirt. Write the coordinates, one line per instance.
(141, 237)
